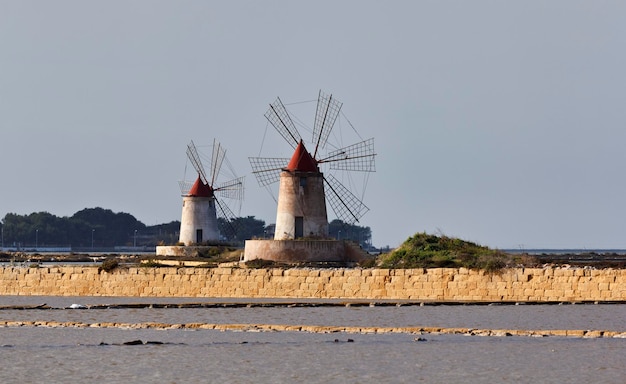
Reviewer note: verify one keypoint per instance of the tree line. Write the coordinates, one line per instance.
(103, 228)
(90, 227)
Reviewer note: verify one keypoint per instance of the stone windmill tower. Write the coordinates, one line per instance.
(304, 189)
(201, 205)
(301, 210)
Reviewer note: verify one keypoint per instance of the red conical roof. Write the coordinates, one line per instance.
(302, 160)
(199, 189)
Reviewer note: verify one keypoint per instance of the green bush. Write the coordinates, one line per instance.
(109, 265)
(429, 251)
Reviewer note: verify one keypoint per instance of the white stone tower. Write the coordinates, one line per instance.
(301, 210)
(198, 222)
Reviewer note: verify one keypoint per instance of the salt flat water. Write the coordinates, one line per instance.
(60, 355)
(610, 317)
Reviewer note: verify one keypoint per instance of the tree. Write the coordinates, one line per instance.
(341, 230)
(104, 228)
(109, 228)
(161, 234)
(244, 227)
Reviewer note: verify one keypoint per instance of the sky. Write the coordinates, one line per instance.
(501, 123)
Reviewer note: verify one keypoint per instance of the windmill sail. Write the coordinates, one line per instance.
(231, 225)
(185, 186)
(232, 189)
(355, 157)
(325, 116)
(344, 203)
(278, 116)
(194, 157)
(267, 169)
(216, 160)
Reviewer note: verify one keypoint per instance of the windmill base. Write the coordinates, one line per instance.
(302, 251)
(183, 250)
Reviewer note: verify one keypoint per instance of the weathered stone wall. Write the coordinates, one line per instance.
(443, 284)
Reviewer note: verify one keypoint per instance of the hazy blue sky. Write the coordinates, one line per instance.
(499, 122)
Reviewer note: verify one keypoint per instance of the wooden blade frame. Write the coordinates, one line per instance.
(267, 169)
(278, 116)
(185, 186)
(224, 212)
(232, 189)
(192, 154)
(344, 203)
(355, 157)
(325, 116)
(217, 157)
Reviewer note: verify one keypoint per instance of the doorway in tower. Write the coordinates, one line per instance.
(299, 231)
(198, 236)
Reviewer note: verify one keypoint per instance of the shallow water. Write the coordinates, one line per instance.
(611, 317)
(37, 354)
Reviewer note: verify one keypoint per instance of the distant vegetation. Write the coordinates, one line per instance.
(430, 251)
(102, 228)
(90, 227)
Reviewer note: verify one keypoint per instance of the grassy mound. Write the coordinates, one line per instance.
(429, 251)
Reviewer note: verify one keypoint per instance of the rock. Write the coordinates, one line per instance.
(593, 334)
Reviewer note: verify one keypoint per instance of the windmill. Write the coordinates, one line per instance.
(304, 188)
(201, 205)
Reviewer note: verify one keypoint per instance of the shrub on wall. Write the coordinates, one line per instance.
(109, 265)
(430, 251)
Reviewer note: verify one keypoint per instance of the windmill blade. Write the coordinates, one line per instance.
(185, 186)
(229, 217)
(267, 169)
(216, 161)
(344, 203)
(192, 154)
(278, 116)
(325, 116)
(355, 157)
(232, 189)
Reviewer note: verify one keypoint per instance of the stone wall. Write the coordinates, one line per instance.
(443, 284)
